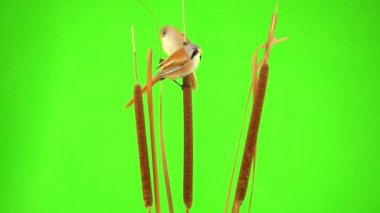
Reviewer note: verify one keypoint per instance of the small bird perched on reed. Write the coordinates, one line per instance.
(179, 64)
(173, 40)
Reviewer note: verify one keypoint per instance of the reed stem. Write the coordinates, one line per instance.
(237, 152)
(184, 20)
(152, 134)
(253, 180)
(155, 22)
(163, 158)
(134, 54)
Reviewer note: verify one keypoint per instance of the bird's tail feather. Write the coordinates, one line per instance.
(155, 79)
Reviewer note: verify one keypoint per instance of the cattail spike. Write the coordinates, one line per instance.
(188, 143)
(143, 149)
(250, 145)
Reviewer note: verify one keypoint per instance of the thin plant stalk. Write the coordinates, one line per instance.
(188, 144)
(141, 136)
(163, 157)
(253, 180)
(155, 22)
(184, 20)
(134, 54)
(237, 152)
(152, 134)
(254, 73)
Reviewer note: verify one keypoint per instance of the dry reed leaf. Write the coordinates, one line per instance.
(163, 158)
(237, 152)
(193, 80)
(152, 134)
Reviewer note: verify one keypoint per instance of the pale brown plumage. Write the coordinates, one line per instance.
(173, 40)
(180, 64)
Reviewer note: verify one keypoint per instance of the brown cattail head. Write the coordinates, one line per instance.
(143, 150)
(188, 143)
(250, 144)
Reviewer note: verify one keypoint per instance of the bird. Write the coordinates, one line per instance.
(173, 40)
(179, 64)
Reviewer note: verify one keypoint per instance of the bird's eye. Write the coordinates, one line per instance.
(164, 32)
(185, 43)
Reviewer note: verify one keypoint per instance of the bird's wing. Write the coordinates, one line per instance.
(172, 68)
(176, 58)
(175, 62)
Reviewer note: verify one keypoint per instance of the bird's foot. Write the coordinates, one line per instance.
(180, 85)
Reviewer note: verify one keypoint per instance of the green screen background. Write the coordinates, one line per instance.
(67, 144)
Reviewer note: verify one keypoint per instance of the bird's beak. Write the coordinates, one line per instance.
(200, 51)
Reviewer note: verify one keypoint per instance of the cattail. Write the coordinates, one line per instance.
(250, 145)
(188, 143)
(259, 87)
(141, 136)
(152, 135)
(143, 149)
(188, 132)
